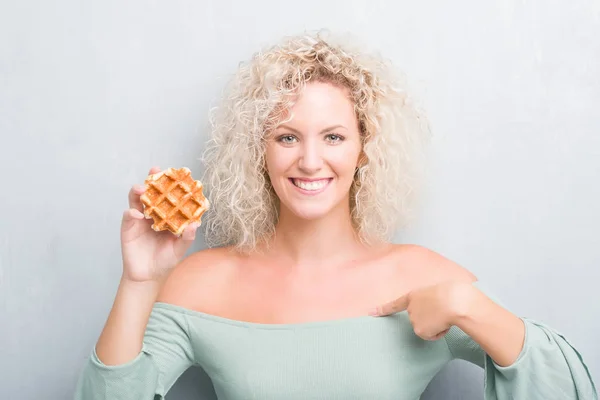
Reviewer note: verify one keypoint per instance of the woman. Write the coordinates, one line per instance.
(312, 166)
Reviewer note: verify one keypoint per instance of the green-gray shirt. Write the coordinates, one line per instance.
(353, 358)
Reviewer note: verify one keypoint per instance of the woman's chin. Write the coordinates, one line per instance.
(310, 213)
(313, 210)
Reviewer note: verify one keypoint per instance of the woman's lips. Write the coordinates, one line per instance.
(312, 186)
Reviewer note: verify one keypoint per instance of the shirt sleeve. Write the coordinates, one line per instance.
(166, 353)
(548, 367)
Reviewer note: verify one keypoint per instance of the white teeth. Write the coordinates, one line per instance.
(314, 185)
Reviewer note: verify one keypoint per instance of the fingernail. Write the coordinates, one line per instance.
(373, 312)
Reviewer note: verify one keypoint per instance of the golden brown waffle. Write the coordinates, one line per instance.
(174, 200)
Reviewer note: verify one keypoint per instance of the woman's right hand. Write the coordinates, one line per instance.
(149, 255)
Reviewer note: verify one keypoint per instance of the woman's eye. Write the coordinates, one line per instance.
(334, 138)
(287, 139)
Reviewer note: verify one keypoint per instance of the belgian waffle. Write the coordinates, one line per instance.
(173, 199)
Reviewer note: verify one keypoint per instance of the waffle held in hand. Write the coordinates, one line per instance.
(173, 199)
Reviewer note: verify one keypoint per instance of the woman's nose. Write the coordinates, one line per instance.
(311, 160)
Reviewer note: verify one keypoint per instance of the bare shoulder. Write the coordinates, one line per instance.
(430, 266)
(197, 278)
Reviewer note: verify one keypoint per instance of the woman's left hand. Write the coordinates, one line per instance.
(432, 310)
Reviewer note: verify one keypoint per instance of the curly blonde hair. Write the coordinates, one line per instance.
(244, 206)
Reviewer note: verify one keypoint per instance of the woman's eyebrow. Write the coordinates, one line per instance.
(328, 129)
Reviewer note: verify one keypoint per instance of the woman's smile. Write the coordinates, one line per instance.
(310, 186)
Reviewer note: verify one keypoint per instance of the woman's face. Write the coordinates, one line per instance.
(311, 160)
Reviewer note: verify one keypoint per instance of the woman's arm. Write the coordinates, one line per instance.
(500, 333)
(123, 334)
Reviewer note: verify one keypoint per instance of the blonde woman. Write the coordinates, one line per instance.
(314, 162)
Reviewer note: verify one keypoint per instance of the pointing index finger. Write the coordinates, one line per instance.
(398, 305)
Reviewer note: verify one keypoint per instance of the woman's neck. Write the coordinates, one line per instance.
(319, 243)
